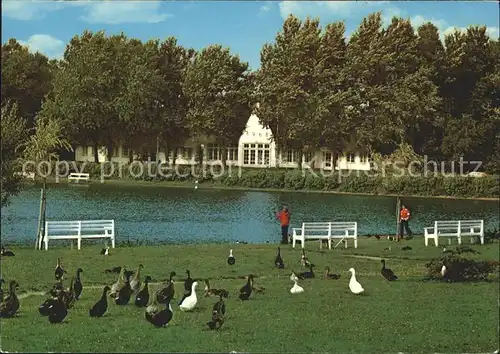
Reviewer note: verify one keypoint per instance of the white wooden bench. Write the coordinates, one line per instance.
(454, 229)
(78, 230)
(338, 230)
(77, 177)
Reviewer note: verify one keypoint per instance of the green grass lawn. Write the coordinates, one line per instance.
(410, 315)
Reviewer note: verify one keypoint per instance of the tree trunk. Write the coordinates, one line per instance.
(96, 153)
(167, 153)
(199, 154)
(224, 156)
(109, 152)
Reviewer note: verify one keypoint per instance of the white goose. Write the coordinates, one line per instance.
(296, 289)
(293, 277)
(190, 302)
(354, 285)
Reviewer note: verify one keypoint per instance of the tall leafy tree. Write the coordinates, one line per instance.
(26, 79)
(219, 88)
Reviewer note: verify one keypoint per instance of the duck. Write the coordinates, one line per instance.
(1, 290)
(159, 318)
(304, 260)
(278, 262)
(5, 253)
(56, 288)
(118, 284)
(69, 295)
(78, 287)
(216, 292)
(105, 251)
(9, 307)
(218, 312)
(406, 248)
(387, 273)
(246, 290)
(327, 274)
(142, 297)
(187, 286)
(59, 272)
(190, 302)
(165, 295)
(293, 276)
(46, 307)
(123, 296)
(354, 285)
(231, 260)
(309, 274)
(116, 270)
(447, 251)
(58, 311)
(296, 289)
(135, 283)
(444, 270)
(101, 306)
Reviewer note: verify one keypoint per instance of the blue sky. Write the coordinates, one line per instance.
(244, 26)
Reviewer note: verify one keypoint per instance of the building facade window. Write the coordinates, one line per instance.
(90, 151)
(350, 158)
(363, 159)
(327, 159)
(214, 153)
(185, 153)
(232, 153)
(256, 154)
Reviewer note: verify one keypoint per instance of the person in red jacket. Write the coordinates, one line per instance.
(284, 217)
(404, 216)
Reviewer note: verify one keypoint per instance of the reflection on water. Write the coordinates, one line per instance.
(184, 215)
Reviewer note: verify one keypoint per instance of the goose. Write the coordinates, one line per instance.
(5, 253)
(69, 295)
(246, 290)
(187, 286)
(307, 275)
(406, 248)
(327, 274)
(119, 283)
(217, 292)
(123, 296)
(159, 318)
(101, 306)
(231, 260)
(59, 272)
(58, 311)
(78, 287)
(218, 312)
(1, 290)
(116, 270)
(296, 289)
(354, 285)
(278, 262)
(165, 295)
(56, 289)
(293, 276)
(135, 283)
(304, 260)
(142, 297)
(9, 307)
(190, 302)
(105, 251)
(387, 273)
(447, 251)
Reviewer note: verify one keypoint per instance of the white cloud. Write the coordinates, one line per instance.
(46, 44)
(266, 7)
(492, 32)
(107, 11)
(114, 12)
(338, 9)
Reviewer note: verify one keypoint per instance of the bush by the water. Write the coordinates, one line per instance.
(293, 179)
(460, 269)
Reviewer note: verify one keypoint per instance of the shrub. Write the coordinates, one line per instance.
(460, 269)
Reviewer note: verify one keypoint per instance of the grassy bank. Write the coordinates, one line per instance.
(273, 179)
(410, 315)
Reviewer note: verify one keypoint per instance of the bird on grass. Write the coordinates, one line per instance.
(278, 262)
(59, 311)
(304, 260)
(9, 307)
(406, 248)
(59, 272)
(189, 303)
(105, 251)
(466, 249)
(296, 288)
(447, 251)
(328, 275)
(157, 318)
(5, 253)
(231, 260)
(387, 273)
(218, 312)
(142, 297)
(1, 290)
(217, 292)
(246, 290)
(307, 275)
(165, 295)
(354, 285)
(101, 306)
(78, 287)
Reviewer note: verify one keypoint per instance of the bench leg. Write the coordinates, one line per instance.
(355, 243)
(79, 243)
(436, 242)
(303, 241)
(293, 241)
(46, 242)
(345, 242)
(426, 240)
(113, 242)
(329, 243)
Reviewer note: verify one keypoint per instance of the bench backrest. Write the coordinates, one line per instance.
(326, 226)
(79, 175)
(76, 227)
(456, 224)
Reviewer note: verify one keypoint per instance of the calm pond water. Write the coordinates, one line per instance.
(182, 215)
